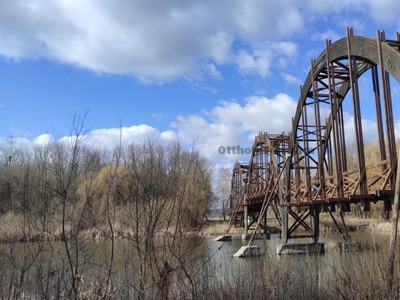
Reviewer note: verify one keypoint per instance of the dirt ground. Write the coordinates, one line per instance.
(218, 227)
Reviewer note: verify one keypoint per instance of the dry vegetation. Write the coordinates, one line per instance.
(146, 203)
(359, 275)
(62, 195)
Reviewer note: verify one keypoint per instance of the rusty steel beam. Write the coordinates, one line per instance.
(317, 173)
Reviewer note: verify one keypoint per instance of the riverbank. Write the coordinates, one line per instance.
(327, 225)
(14, 228)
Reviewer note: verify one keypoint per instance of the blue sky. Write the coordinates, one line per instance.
(216, 72)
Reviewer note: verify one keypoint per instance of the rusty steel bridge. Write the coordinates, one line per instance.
(300, 174)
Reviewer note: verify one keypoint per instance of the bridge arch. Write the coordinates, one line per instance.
(313, 157)
(315, 142)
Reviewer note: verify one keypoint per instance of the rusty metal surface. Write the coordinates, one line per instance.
(317, 175)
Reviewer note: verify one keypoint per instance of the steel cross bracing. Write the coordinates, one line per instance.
(317, 175)
(258, 179)
(239, 177)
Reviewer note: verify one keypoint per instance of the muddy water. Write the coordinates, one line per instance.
(218, 257)
(223, 252)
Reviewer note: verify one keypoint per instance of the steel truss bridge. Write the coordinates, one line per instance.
(300, 174)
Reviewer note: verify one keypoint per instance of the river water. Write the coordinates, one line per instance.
(217, 256)
(223, 252)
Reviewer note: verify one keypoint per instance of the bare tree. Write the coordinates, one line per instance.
(224, 189)
(65, 156)
(166, 194)
(152, 195)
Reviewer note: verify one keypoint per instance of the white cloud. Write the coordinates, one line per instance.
(368, 128)
(159, 117)
(151, 40)
(42, 139)
(110, 137)
(167, 136)
(290, 79)
(384, 11)
(228, 124)
(263, 56)
(106, 138)
(210, 70)
(257, 63)
(161, 41)
(397, 129)
(209, 89)
(19, 132)
(328, 34)
(232, 124)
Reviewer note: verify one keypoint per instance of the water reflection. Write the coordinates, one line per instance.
(223, 252)
(213, 260)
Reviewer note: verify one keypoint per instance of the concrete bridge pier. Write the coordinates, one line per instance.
(301, 248)
(285, 225)
(265, 223)
(246, 215)
(314, 220)
(246, 235)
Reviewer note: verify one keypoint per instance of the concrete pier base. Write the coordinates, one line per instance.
(248, 251)
(303, 248)
(223, 238)
(264, 236)
(246, 237)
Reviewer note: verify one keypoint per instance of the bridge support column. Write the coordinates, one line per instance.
(285, 228)
(246, 216)
(314, 215)
(265, 222)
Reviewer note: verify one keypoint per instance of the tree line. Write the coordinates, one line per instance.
(62, 194)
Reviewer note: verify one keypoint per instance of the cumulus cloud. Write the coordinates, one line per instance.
(232, 124)
(368, 128)
(210, 70)
(151, 40)
(42, 139)
(229, 124)
(328, 34)
(161, 41)
(290, 79)
(397, 129)
(19, 132)
(384, 11)
(257, 63)
(159, 117)
(260, 60)
(109, 138)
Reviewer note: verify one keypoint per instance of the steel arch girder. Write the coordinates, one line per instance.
(364, 48)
